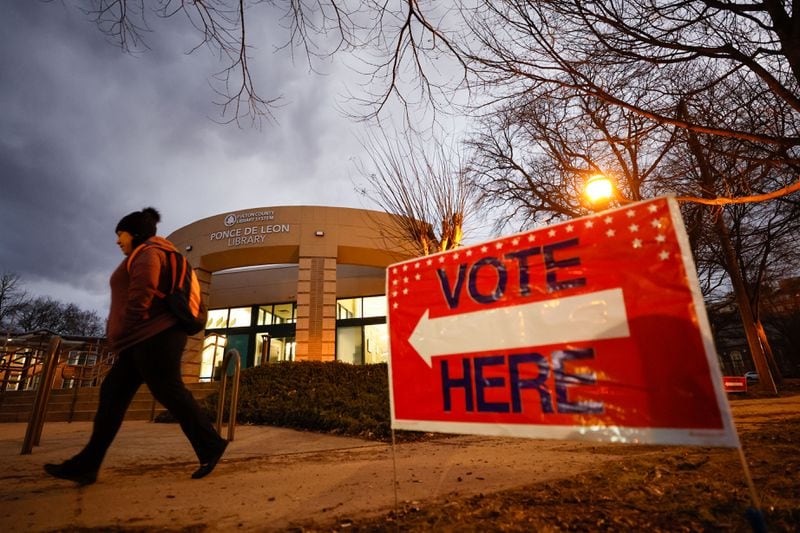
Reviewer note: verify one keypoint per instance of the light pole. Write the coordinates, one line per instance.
(601, 192)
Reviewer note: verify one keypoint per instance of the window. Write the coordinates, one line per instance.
(374, 306)
(81, 358)
(240, 317)
(348, 345)
(285, 313)
(262, 333)
(371, 306)
(376, 344)
(348, 308)
(361, 333)
(217, 318)
(213, 353)
(273, 349)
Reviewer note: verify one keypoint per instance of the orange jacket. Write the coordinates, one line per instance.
(136, 313)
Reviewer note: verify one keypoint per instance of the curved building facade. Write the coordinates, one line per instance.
(291, 283)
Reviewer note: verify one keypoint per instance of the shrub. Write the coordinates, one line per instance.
(330, 397)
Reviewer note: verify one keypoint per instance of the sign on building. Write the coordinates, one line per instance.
(592, 329)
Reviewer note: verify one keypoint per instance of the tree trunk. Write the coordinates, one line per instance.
(765, 380)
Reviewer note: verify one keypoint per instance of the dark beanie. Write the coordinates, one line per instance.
(140, 224)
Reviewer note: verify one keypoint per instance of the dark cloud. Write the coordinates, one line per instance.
(89, 133)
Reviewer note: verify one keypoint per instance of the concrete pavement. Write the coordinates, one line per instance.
(269, 479)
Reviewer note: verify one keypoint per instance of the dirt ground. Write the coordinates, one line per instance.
(649, 489)
(274, 479)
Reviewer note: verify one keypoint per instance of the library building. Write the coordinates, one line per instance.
(292, 283)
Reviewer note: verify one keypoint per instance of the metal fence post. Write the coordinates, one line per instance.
(33, 434)
(232, 354)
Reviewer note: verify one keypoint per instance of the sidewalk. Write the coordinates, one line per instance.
(269, 479)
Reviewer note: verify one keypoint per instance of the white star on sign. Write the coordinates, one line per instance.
(405, 279)
(395, 305)
(589, 224)
(416, 265)
(469, 253)
(405, 291)
(531, 238)
(634, 228)
(394, 293)
(664, 255)
(551, 233)
(515, 241)
(611, 233)
(441, 259)
(637, 243)
(394, 282)
(630, 213)
(429, 262)
(608, 220)
(498, 245)
(570, 227)
(652, 208)
(418, 277)
(484, 249)
(655, 223)
(455, 255)
(405, 267)
(660, 238)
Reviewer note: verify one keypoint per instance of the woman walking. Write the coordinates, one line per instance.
(149, 344)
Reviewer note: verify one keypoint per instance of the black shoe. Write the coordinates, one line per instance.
(206, 468)
(67, 471)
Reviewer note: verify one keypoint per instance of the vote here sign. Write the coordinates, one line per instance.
(592, 329)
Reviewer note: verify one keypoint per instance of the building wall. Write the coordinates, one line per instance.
(316, 255)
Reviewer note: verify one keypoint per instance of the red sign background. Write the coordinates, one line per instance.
(659, 384)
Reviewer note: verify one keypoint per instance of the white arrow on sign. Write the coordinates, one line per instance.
(596, 315)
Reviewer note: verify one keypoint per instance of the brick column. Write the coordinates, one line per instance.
(316, 309)
(193, 353)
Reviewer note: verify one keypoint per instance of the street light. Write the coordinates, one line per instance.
(599, 190)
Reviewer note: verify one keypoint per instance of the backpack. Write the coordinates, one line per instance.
(183, 297)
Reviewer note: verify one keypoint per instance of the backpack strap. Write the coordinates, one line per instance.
(170, 264)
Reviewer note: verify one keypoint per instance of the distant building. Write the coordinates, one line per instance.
(291, 283)
(779, 309)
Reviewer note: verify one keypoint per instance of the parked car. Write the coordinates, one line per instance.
(751, 376)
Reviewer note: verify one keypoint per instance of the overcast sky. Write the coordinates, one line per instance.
(89, 134)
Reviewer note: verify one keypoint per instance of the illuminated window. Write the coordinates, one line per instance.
(276, 314)
(217, 318)
(348, 308)
(348, 345)
(374, 306)
(371, 306)
(376, 344)
(213, 353)
(284, 313)
(240, 317)
(265, 315)
(361, 332)
(273, 349)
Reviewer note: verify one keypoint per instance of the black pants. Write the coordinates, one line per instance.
(156, 362)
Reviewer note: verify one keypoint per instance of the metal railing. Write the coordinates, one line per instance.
(232, 354)
(33, 433)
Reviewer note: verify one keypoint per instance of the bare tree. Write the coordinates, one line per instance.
(63, 319)
(399, 44)
(531, 158)
(12, 298)
(423, 183)
(646, 56)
